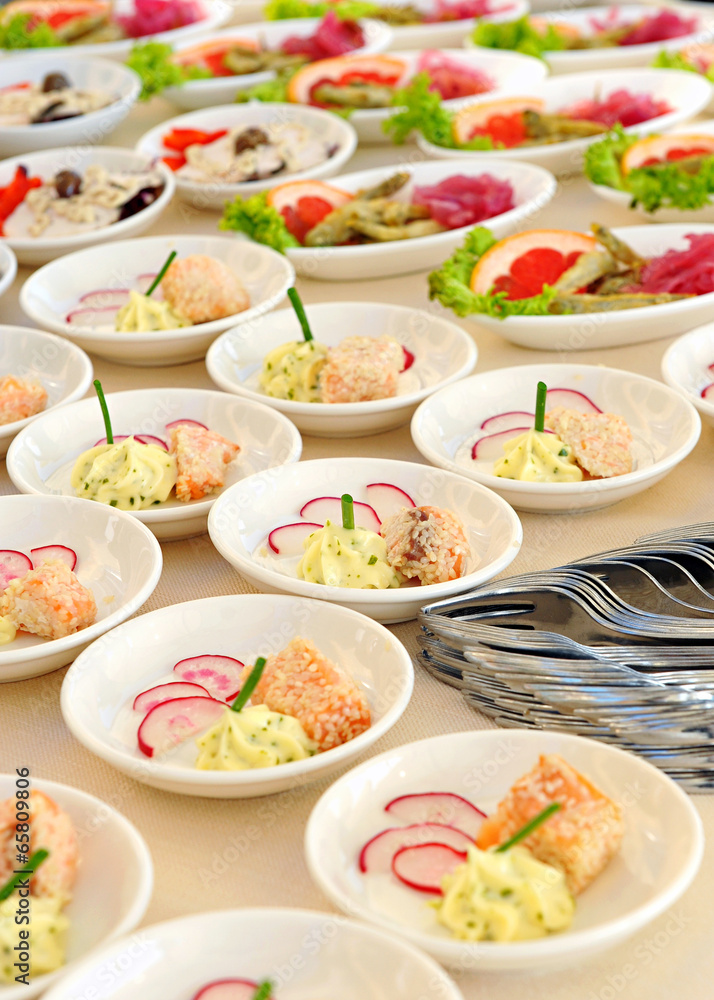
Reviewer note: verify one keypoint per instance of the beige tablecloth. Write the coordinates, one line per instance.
(187, 836)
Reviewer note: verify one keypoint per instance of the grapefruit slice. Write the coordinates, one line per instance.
(202, 52)
(494, 118)
(564, 28)
(666, 148)
(56, 13)
(384, 70)
(303, 204)
(520, 265)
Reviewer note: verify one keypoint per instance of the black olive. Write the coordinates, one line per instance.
(55, 81)
(249, 139)
(139, 201)
(54, 112)
(67, 183)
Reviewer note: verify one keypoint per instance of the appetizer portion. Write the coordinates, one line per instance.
(20, 398)
(397, 15)
(52, 100)
(692, 58)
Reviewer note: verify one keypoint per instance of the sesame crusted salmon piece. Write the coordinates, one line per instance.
(51, 828)
(302, 682)
(600, 442)
(580, 839)
(359, 369)
(202, 289)
(20, 398)
(201, 459)
(426, 543)
(48, 601)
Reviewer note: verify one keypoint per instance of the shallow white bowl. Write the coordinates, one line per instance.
(659, 857)
(686, 93)
(665, 428)
(48, 295)
(533, 189)
(41, 458)
(302, 951)
(47, 163)
(442, 351)
(242, 518)
(684, 367)
(8, 267)
(448, 33)
(118, 559)
(223, 89)
(111, 673)
(107, 899)
(84, 73)
(62, 368)
(335, 131)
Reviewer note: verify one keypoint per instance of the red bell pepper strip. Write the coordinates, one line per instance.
(15, 192)
(181, 138)
(174, 162)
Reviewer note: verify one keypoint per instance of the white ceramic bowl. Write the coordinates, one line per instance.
(592, 331)
(665, 428)
(118, 559)
(114, 879)
(686, 93)
(8, 267)
(223, 89)
(245, 626)
(242, 518)
(63, 369)
(50, 293)
(447, 34)
(41, 458)
(685, 367)
(346, 958)
(332, 129)
(533, 189)
(47, 163)
(84, 73)
(659, 856)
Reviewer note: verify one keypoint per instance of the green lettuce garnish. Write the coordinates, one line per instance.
(602, 159)
(346, 10)
(258, 220)
(675, 60)
(519, 36)
(15, 33)
(420, 109)
(152, 63)
(275, 90)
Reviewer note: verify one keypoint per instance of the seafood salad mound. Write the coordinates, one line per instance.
(396, 15)
(54, 99)
(20, 398)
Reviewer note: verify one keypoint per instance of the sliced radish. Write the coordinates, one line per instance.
(220, 675)
(12, 565)
(91, 317)
(408, 358)
(490, 447)
(507, 421)
(711, 368)
(287, 540)
(387, 499)
(228, 989)
(170, 691)
(62, 552)
(376, 855)
(105, 298)
(708, 392)
(571, 399)
(117, 439)
(423, 866)
(172, 722)
(438, 807)
(185, 420)
(323, 509)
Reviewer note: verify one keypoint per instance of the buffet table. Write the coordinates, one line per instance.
(212, 854)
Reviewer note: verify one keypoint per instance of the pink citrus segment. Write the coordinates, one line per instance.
(521, 265)
(501, 120)
(383, 70)
(666, 148)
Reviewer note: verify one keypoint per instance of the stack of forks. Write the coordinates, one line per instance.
(618, 647)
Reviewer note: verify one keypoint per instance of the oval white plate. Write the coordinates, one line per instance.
(242, 518)
(144, 651)
(665, 428)
(45, 164)
(41, 458)
(107, 899)
(446, 34)
(50, 293)
(118, 559)
(685, 364)
(63, 369)
(331, 129)
(659, 857)
(442, 352)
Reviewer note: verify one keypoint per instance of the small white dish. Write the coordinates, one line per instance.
(658, 859)
(114, 879)
(448, 34)
(47, 163)
(63, 369)
(41, 458)
(685, 366)
(143, 652)
(49, 294)
(269, 34)
(242, 518)
(319, 951)
(336, 132)
(686, 93)
(117, 558)
(8, 267)
(665, 428)
(84, 73)
(442, 353)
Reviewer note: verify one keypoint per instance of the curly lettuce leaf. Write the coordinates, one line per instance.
(675, 60)
(670, 185)
(258, 220)
(275, 90)
(346, 10)
(152, 63)
(420, 109)
(602, 159)
(519, 36)
(15, 33)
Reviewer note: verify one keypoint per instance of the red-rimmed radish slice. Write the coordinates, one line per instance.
(489, 448)
(571, 399)
(507, 421)
(229, 989)
(91, 317)
(219, 674)
(423, 866)
(387, 499)
(185, 421)
(408, 358)
(438, 807)
(711, 368)
(708, 392)
(323, 509)
(170, 691)
(105, 298)
(172, 722)
(287, 540)
(376, 855)
(62, 552)
(13, 564)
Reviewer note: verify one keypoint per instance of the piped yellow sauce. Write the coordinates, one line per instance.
(48, 929)
(347, 557)
(253, 737)
(128, 475)
(142, 314)
(537, 457)
(292, 371)
(7, 631)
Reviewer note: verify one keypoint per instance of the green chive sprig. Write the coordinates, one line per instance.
(247, 690)
(105, 411)
(160, 276)
(540, 407)
(31, 867)
(264, 991)
(296, 303)
(348, 511)
(531, 825)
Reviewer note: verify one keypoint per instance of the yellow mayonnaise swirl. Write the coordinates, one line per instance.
(347, 557)
(142, 314)
(7, 630)
(504, 896)
(537, 457)
(253, 737)
(292, 370)
(128, 475)
(48, 928)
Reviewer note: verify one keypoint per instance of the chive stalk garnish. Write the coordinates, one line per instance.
(159, 277)
(348, 511)
(296, 303)
(105, 411)
(247, 690)
(263, 991)
(32, 865)
(540, 407)
(531, 825)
